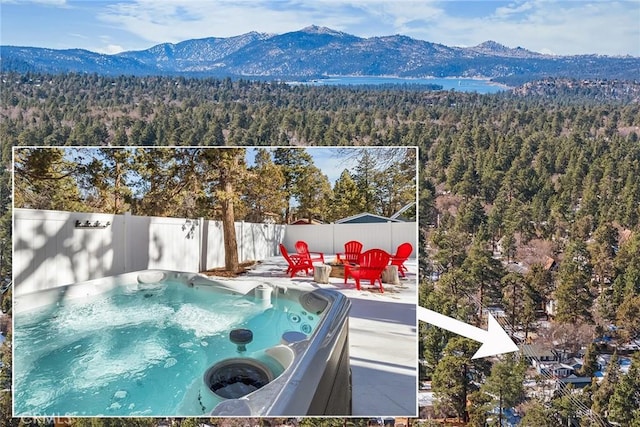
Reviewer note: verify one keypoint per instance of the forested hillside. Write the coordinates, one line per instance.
(526, 200)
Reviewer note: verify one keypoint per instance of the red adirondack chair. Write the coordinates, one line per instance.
(303, 250)
(401, 255)
(352, 250)
(371, 263)
(296, 262)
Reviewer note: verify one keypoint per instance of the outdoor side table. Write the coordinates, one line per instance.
(390, 275)
(321, 273)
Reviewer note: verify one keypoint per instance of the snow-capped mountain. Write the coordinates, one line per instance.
(314, 52)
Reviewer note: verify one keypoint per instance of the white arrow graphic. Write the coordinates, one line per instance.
(494, 340)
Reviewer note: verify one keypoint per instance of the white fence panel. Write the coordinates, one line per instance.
(330, 238)
(156, 242)
(258, 241)
(50, 250)
(136, 241)
(318, 237)
(213, 239)
(174, 244)
(402, 232)
(254, 242)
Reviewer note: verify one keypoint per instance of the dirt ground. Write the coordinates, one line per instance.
(223, 272)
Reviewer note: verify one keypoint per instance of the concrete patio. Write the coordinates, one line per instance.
(383, 338)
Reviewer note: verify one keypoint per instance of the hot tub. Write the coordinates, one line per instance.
(169, 343)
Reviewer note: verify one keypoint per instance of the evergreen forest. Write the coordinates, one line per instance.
(529, 207)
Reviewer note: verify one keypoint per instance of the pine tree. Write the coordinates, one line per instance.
(110, 179)
(231, 171)
(45, 179)
(540, 280)
(346, 197)
(170, 181)
(314, 193)
(471, 216)
(604, 390)
(628, 317)
(513, 297)
(624, 404)
(456, 375)
(590, 361)
(292, 161)
(264, 189)
(573, 293)
(505, 384)
(395, 183)
(627, 264)
(603, 253)
(366, 178)
(485, 273)
(538, 415)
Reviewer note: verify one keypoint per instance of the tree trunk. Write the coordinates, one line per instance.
(287, 214)
(465, 413)
(228, 221)
(230, 242)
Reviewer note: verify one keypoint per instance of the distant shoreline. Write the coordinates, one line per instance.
(461, 84)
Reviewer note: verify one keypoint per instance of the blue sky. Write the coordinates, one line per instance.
(573, 27)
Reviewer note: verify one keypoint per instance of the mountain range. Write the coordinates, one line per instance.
(315, 52)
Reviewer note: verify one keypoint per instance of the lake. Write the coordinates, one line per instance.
(457, 84)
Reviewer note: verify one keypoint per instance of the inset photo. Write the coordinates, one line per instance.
(215, 282)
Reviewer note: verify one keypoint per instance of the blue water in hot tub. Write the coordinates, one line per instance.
(137, 351)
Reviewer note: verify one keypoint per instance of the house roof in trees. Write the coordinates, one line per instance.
(538, 352)
(578, 382)
(365, 218)
(517, 267)
(305, 221)
(575, 363)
